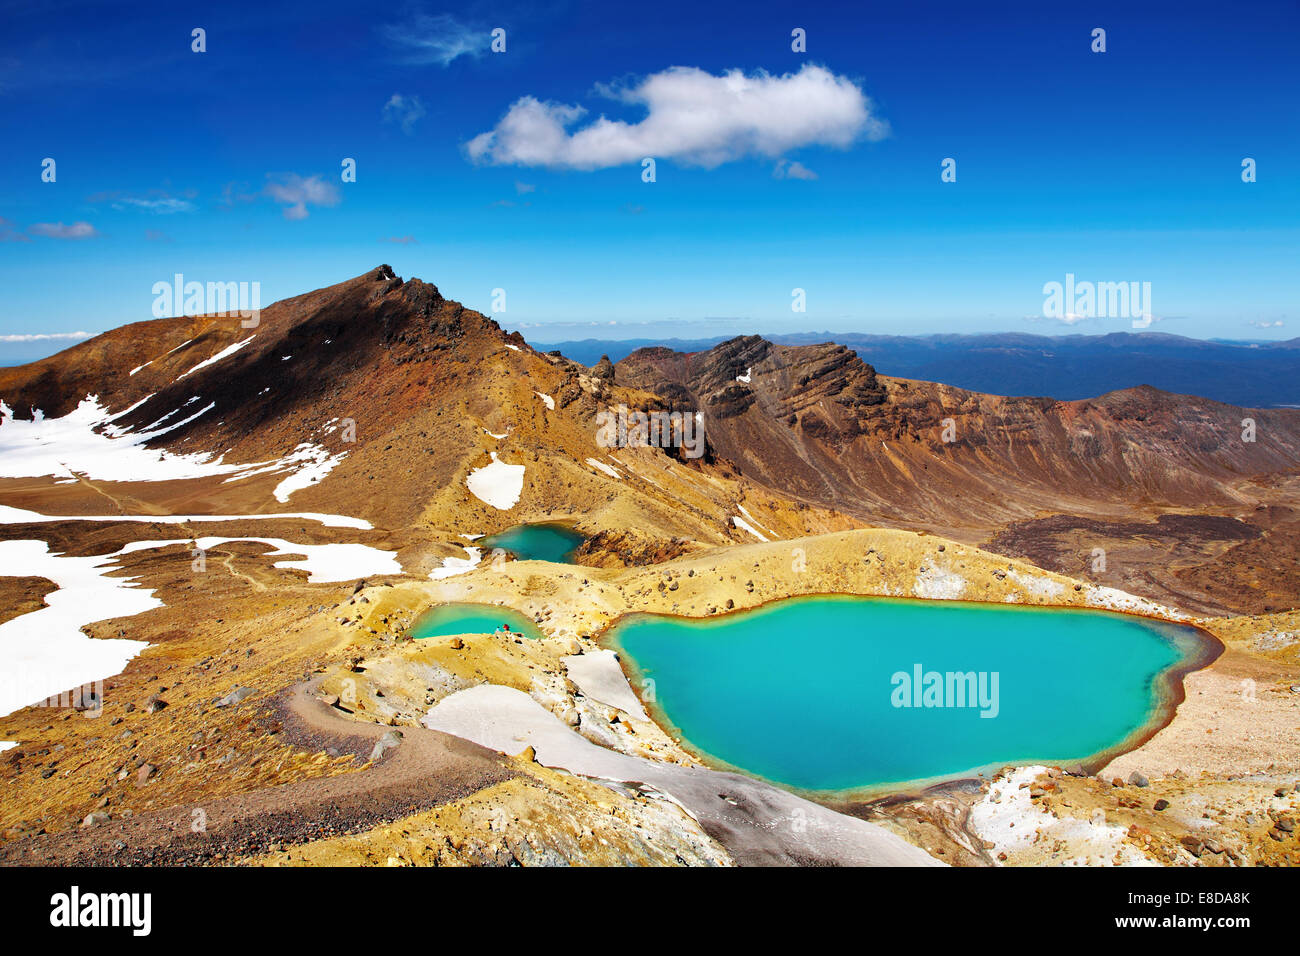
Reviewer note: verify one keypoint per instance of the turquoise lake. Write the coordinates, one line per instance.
(535, 542)
(803, 692)
(448, 619)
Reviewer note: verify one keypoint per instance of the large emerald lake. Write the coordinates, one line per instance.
(840, 693)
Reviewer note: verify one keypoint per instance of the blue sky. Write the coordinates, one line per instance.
(225, 165)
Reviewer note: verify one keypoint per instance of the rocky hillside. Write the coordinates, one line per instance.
(383, 397)
(817, 423)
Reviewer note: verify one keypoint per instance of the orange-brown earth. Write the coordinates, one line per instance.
(1186, 510)
(814, 443)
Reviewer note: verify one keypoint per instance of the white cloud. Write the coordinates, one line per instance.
(785, 169)
(437, 39)
(692, 116)
(297, 193)
(157, 201)
(57, 230)
(522, 188)
(47, 337)
(160, 206)
(404, 111)
(1265, 324)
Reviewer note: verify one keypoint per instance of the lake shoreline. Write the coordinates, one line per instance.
(1200, 650)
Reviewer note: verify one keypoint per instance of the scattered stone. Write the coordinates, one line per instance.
(144, 773)
(1138, 779)
(386, 743)
(96, 818)
(1161, 804)
(236, 696)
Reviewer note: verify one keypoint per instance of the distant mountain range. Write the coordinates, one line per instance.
(1067, 367)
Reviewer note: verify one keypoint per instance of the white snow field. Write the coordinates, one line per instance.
(497, 484)
(43, 653)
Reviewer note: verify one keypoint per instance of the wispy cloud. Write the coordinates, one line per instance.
(692, 116)
(296, 193)
(47, 336)
(160, 206)
(402, 240)
(522, 188)
(785, 169)
(1267, 324)
(57, 230)
(438, 39)
(159, 202)
(405, 111)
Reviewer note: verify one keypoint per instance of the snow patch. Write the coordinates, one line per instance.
(322, 562)
(752, 520)
(318, 463)
(454, 566)
(228, 351)
(85, 440)
(599, 676)
(10, 515)
(43, 653)
(745, 378)
(601, 466)
(497, 484)
(744, 525)
(550, 402)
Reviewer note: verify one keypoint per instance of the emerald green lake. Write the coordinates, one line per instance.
(536, 542)
(817, 693)
(448, 619)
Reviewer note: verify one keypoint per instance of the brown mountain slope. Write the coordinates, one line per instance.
(805, 438)
(817, 423)
(430, 389)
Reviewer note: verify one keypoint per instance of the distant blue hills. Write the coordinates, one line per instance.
(1065, 367)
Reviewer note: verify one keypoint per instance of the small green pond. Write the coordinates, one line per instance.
(448, 619)
(543, 541)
